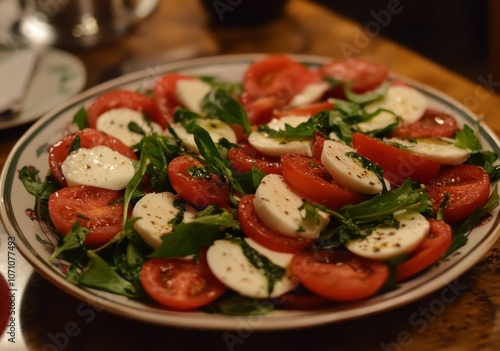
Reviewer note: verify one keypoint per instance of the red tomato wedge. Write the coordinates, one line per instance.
(431, 124)
(468, 187)
(271, 83)
(180, 284)
(88, 139)
(165, 97)
(94, 208)
(430, 250)
(201, 192)
(339, 275)
(242, 160)
(120, 99)
(363, 75)
(308, 176)
(398, 164)
(253, 227)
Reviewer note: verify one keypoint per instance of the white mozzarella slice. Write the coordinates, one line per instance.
(406, 102)
(115, 123)
(190, 93)
(441, 150)
(347, 171)
(380, 121)
(229, 264)
(99, 166)
(266, 145)
(311, 93)
(384, 243)
(293, 121)
(216, 128)
(155, 212)
(278, 207)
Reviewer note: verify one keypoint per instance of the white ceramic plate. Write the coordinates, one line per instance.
(58, 76)
(30, 235)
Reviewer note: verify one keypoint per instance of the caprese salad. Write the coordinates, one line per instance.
(305, 185)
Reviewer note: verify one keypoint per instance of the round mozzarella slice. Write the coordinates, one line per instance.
(216, 128)
(437, 149)
(229, 264)
(155, 212)
(267, 145)
(99, 166)
(278, 207)
(190, 93)
(116, 123)
(311, 93)
(406, 102)
(347, 171)
(384, 243)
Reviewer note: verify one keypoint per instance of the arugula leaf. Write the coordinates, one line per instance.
(100, 275)
(75, 144)
(468, 139)
(359, 220)
(365, 98)
(237, 305)
(130, 252)
(80, 119)
(461, 233)
(188, 238)
(72, 240)
(40, 190)
(304, 130)
(214, 162)
(221, 104)
(403, 198)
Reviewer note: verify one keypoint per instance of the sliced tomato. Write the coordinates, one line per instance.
(94, 208)
(201, 192)
(363, 75)
(308, 111)
(317, 145)
(120, 99)
(430, 250)
(165, 96)
(243, 159)
(339, 275)
(88, 139)
(468, 187)
(270, 83)
(431, 124)
(308, 176)
(180, 284)
(253, 227)
(398, 164)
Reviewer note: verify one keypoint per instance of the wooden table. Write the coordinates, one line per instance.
(179, 28)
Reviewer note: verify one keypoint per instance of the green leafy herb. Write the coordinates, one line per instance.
(188, 238)
(80, 119)
(198, 172)
(237, 305)
(467, 139)
(214, 162)
(359, 220)
(72, 240)
(40, 190)
(366, 97)
(135, 128)
(461, 233)
(75, 145)
(100, 275)
(221, 104)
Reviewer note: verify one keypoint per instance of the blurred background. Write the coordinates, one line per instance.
(455, 33)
